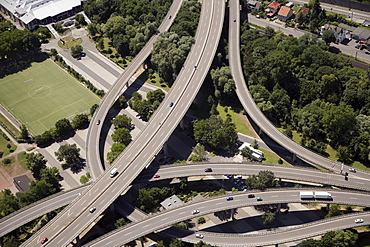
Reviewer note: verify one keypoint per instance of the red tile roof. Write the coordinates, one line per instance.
(284, 11)
(274, 5)
(304, 10)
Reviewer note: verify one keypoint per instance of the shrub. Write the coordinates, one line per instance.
(201, 220)
(280, 161)
(7, 161)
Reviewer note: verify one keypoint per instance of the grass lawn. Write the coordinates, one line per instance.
(154, 81)
(10, 126)
(272, 158)
(42, 94)
(3, 148)
(238, 119)
(69, 42)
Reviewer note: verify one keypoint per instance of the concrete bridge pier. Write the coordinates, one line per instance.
(112, 208)
(142, 241)
(278, 208)
(294, 157)
(232, 214)
(165, 147)
(182, 124)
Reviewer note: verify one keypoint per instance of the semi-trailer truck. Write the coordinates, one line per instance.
(322, 195)
(307, 195)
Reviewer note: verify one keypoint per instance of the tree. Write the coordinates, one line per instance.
(93, 109)
(150, 198)
(334, 210)
(176, 243)
(80, 19)
(38, 190)
(76, 51)
(51, 176)
(31, 42)
(122, 135)
(215, 132)
(121, 222)
(265, 179)
(246, 152)
(339, 238)
(201, 220)
(24, 132)
(268, 219)
(115, 150)
(58, 27)
(8, 203)
(122, 121)
(199, 151)
(69, 153)
(79, 121)
(328, 36)
(35, 162)
(156, 95)
(63, 127)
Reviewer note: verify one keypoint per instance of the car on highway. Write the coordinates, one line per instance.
(171, 104)
(234, 20)
(251, 196)
(169, 17)
(352, 170)
(229, 198)
(208, 170)
(359, 220)
(43, 240)
(259, 199)
(92, 210)
(199, 235)
(98, 122)
(157, 176)
(196, 211)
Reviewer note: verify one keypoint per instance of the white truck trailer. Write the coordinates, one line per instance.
(319, 195)
(307, 195)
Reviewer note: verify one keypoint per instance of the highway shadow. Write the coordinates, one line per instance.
(246, 223)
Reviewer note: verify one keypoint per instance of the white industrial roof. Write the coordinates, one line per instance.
(28, 10)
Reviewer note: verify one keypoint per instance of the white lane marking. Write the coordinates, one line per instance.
(164, 219)
(275, 196)
(219, 203)
(55, 227)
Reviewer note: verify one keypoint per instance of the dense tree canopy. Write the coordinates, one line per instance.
(216, 133)
(68, 152)
(264, 180)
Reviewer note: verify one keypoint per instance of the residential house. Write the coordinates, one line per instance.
(339, 32)
(254, 5)
(272, 8)
(284, 13)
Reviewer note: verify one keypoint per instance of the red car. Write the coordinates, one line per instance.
(156, 176)
(43, 240)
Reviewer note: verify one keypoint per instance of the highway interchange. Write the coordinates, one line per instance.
(140, 153)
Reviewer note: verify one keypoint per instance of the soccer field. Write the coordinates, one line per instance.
(42, 94)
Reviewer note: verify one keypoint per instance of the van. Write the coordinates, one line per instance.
(113, 172)
(154, 244)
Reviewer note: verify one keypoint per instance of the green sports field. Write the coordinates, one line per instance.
(42, 94)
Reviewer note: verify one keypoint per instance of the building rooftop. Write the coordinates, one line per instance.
(284, 11)
(274, 5)
(28, 10)
(305, 10)
(23, 183)
(363, 32)
(172, 202)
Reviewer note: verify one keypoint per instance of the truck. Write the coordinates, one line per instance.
(257, 155)
(319, 195)
(307, 195)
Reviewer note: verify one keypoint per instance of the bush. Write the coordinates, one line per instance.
(201, 220)
(1, 154)
(8, 146)
(7, 161)
(280, 161)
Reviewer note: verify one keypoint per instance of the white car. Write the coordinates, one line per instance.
(359, 220)
(199, 235)
(195, 211)
(352, 170)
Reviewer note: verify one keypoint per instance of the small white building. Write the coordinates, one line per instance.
(31, 13)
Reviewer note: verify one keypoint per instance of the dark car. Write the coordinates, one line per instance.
(251, 196)
(208, 170)
(68, 23)
(234, 20)
(169, 17)
(171, 104)
(230, 198)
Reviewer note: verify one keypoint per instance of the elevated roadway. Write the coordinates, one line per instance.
(214, 204)
(255, 113)
(51, 203)
(76, 217)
